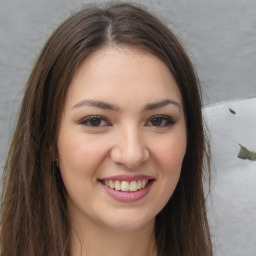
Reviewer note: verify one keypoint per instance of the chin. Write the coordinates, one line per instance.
(130, 222)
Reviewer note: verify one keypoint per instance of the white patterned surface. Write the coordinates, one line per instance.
(233, 197)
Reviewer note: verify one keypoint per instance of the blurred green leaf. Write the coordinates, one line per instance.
(246, 154)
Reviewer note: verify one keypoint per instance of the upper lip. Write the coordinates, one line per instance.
(129, 177)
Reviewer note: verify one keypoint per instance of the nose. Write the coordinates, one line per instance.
(129, 149)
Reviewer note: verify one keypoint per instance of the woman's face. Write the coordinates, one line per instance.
(122, 139)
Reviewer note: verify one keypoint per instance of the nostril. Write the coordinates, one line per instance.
(130, 152)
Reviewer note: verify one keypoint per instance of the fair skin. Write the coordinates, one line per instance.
(121, 144)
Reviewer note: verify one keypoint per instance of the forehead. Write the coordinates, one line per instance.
(112, 73)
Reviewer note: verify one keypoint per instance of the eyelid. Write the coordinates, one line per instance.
(169, 118)
(84, 120)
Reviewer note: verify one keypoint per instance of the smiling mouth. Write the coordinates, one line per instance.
(126, 186)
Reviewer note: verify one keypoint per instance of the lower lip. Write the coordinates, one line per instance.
(128, 196)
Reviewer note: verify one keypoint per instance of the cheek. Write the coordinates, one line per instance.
(170, 153)
(78, 157)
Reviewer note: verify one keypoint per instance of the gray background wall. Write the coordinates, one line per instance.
(220, 38)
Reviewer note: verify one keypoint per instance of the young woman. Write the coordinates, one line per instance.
(107, 156)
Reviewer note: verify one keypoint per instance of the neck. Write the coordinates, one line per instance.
(97, 240)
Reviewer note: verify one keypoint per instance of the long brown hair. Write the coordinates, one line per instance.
(34, 218)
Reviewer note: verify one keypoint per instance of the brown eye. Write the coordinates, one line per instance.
(157, 121)
(160, 121)
(95, 122)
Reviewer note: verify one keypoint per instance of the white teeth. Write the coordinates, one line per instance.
(117, 185)
(126, 186)
(139, 184)
(111, 184)
(133, 186)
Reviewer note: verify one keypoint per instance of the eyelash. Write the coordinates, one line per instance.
(86, 121)
(168, 121)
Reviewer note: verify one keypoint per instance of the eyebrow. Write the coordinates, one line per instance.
(105, 105)
(161, 104)
(98, 104)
